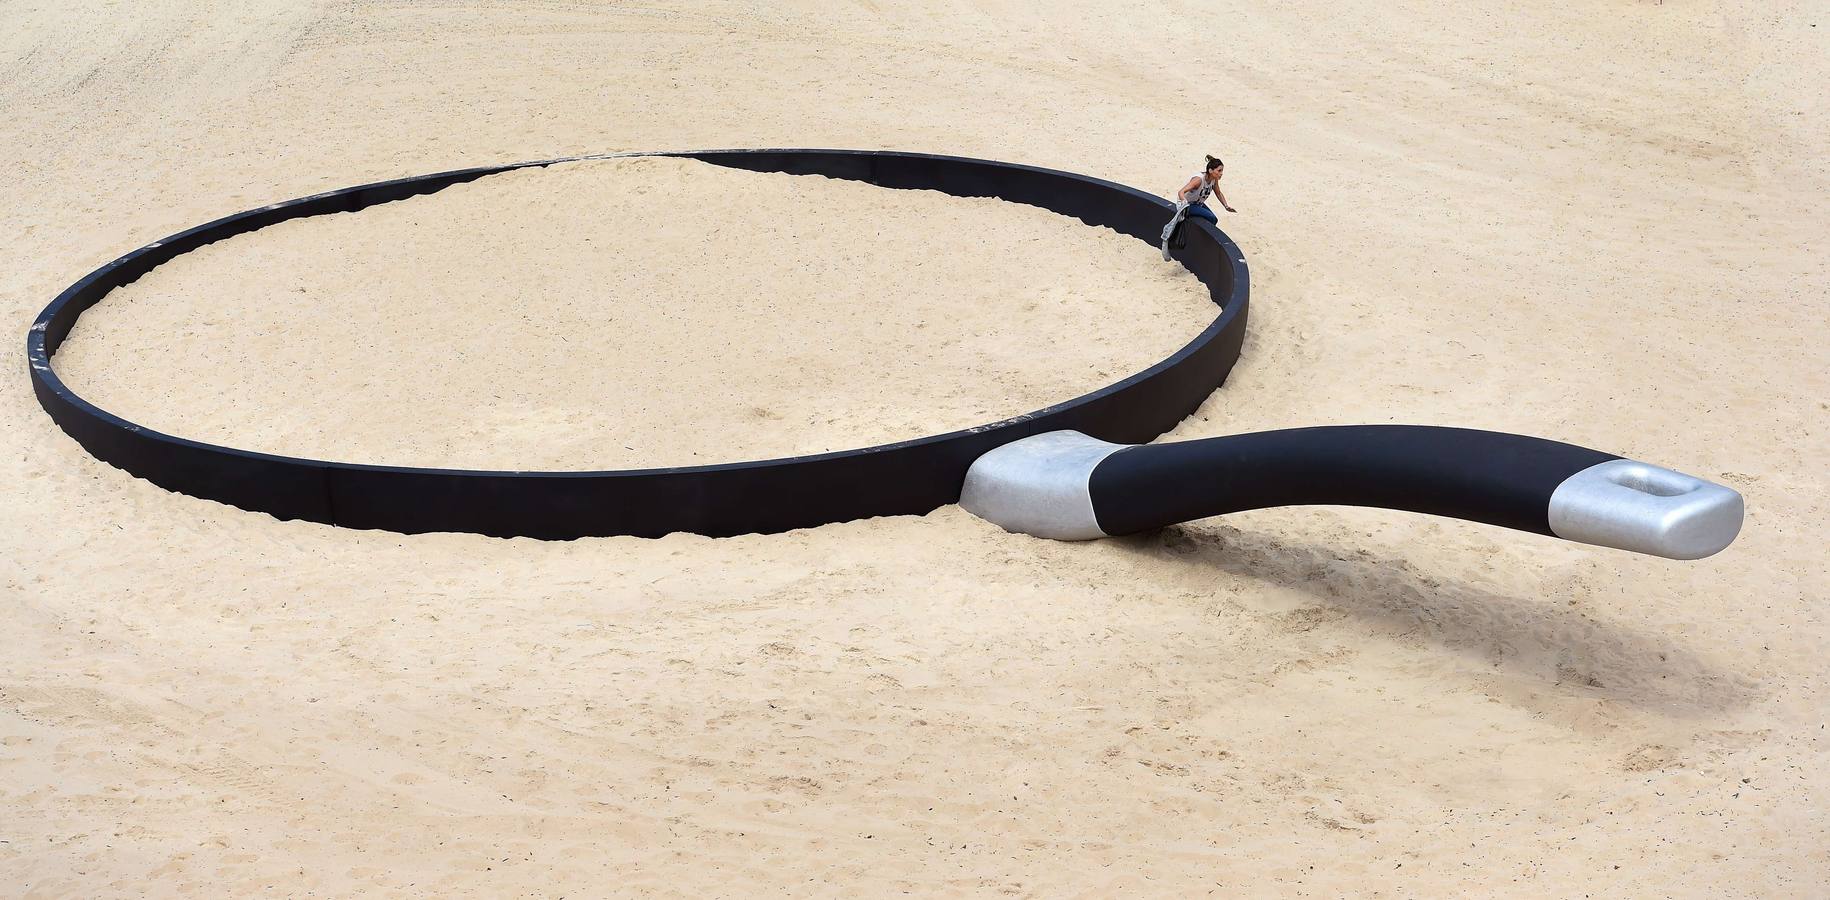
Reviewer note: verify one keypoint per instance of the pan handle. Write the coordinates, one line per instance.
(1092, 488)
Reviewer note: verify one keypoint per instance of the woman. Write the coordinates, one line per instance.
(1191, 200)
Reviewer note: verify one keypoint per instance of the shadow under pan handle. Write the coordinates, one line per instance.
(1069, 486)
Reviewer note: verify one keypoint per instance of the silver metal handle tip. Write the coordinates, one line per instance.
(1631, 505)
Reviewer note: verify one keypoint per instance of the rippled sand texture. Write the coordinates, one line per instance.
(1600, 222)
(630, 313)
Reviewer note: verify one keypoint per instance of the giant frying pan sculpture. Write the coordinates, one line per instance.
(1072, 471)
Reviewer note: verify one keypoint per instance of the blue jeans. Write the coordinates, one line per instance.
(1196, 211)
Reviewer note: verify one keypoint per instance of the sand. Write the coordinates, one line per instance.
(630, 313)
(1599, 222)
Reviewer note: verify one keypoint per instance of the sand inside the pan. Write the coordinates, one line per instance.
(628, 313)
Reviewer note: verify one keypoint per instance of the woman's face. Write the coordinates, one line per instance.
(1214, 173)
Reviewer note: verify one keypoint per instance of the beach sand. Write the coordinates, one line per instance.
(1596, 222)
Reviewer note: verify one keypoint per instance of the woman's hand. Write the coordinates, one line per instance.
(1228, 208)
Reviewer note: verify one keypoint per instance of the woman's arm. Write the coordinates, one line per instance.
(1223, 201)
(1193, 184)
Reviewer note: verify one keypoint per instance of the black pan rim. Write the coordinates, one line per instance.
(185, 465)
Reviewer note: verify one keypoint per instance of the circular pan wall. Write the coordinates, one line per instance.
(904, 478)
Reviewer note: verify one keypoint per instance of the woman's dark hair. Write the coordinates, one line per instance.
(1212, 161)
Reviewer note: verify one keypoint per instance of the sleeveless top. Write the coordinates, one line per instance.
(1200, 193)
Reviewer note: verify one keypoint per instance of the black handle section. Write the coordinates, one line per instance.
(1481, 476)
